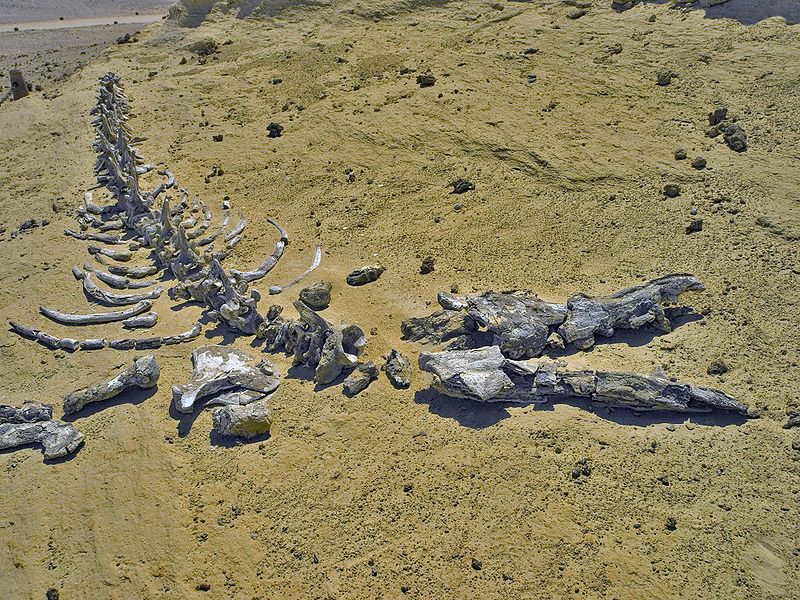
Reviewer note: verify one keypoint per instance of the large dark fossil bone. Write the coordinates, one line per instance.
(523, 325)
(218, 369)
(486, 375)
(33, 424)
(143, 373)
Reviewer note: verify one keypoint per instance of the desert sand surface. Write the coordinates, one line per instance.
(407, 493)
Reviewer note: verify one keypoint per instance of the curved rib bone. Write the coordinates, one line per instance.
(237, 230)
(269, 263)
(95, 292)
(134, 272)
(95, 237)
(213, 237)
(96, 318)
(117, 281)
(203, 226)
(277, 289)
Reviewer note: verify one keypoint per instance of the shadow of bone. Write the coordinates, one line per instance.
(480, 415)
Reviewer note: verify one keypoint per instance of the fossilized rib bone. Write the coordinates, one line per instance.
(95, 292)
(486, 375)
(134, 272)
(277, 289)
(95, 237)
(119, 255)
(217, 369)
(521, 323)
(70, 344)
(269, 263)
(117, 281)
(95, 318)
(143, 373)
(33, 424)
(314, 341)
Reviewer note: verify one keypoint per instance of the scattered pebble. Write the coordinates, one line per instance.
(680, 154)
(217, 138)
(576, 13)
(695, 226)
(717, 367)
(664, 78)
(274, 130)
(671, 524)
(476, 564)
(427, 265)
(672, 190)
(426, 79)
(461, 185)
(699, 163)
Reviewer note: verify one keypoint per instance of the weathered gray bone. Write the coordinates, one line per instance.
(143, 321)
(105, 297)
(94, 237)
(244, 421)
(33, 424)
(365, 275)
(359, 379)
(134, 272)
(217, 369)
(524, 326)
(398, 369)
(96, 318)
(117, 281)
(143, 373)
(485, 375)
(314, 341)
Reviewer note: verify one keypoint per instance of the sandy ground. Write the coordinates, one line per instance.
(394, 494)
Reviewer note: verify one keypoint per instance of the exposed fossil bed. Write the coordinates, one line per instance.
(401, 491)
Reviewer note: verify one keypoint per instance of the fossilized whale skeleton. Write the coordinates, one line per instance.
(174, 232)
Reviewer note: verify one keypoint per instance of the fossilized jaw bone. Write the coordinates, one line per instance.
(33, 424)
(631, 308)
(524, 325)
(486, 375)
(217, 369)
(277, 289)
(143, 373)
(95, 318)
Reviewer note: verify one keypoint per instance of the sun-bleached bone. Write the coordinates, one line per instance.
(270, 262)
(96, 318)
(217, 369)
(95, 237)
(33, 424)
(277, 289)
(117, 281)
(118, 255)
(134, 272)
(105, 297)
(143, 373)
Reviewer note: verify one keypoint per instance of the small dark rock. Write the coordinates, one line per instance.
(576, 13)
(426, 79)
(365, 275)
(529, 51)
(203, 587)
(699, 163)
(695, 226)
(461, 185)
(651, 19)
(427, 265)
(317, 296)
(407, 488)
(217, 137)
(717, 367)
(672, 190)
(664, 78)
(398, 369)
(532, 78)
(52, 594)
(794, 421)
(680, 154)
(718, 115)
(183, 61)
(671, 524)
(274, 130)
(476, 564)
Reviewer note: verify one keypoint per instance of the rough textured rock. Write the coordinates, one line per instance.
(244, 421)
(218, 369)
(365, 275)
(521, 324)
(33, 424)
(317, 296)
(143, 373)
(398, 369)
(486, 375)
(360, 378)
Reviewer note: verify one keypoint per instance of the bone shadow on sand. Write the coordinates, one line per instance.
(479, 415)
(38, 448)
(224, 441)
(132, 396)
